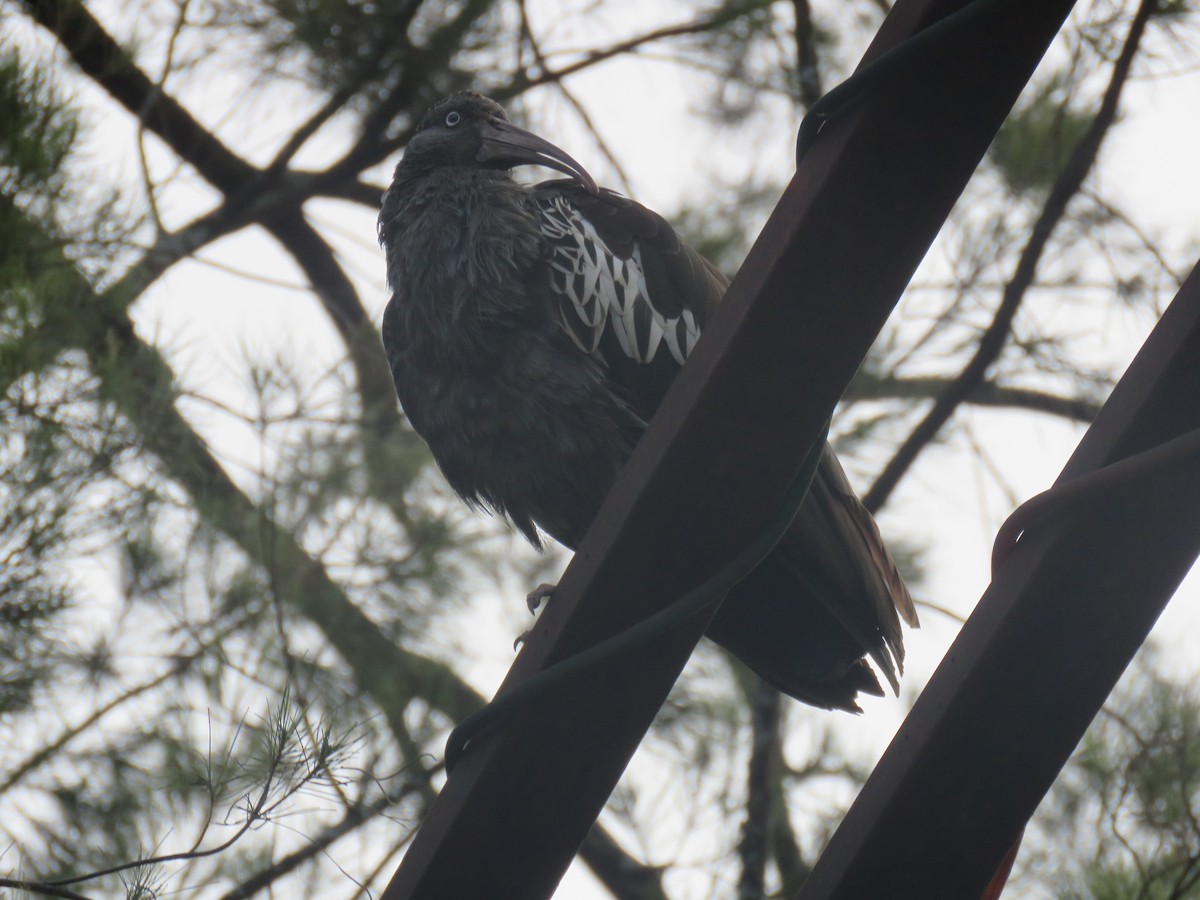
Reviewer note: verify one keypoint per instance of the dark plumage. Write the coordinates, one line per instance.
(532, 332)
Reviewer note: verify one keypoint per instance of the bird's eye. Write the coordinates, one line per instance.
(453, 118)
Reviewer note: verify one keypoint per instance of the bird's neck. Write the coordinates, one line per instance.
(414, 192)
(460, 241)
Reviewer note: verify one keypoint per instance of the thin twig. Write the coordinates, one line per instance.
(107, 63)
(41, 887)
(808, 70)
(354, 818)
(994, 339)
(48, 750)
(580, 110)
(989, 394)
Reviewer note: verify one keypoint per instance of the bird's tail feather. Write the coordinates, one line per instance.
(835, 549)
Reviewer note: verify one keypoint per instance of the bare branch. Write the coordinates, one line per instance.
(1147, 244)
(136, 378)
(808, 69)
(629, 45)
(569, 96)
(51, 747)
(992, 343)
(355, 817)
(108, 64)
(1078, 409)
(375, 143)
(625, 877)
(39, 887)
(785, 847)
(756, 827)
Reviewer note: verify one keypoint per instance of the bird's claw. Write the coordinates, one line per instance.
(535, 597)
(534, 600)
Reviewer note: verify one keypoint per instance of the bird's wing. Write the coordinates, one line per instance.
(835, 548)
(631, 292)
(627, 287)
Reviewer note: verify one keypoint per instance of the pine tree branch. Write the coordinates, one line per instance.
(785, 848)
(382, 428)
(400, 17)
(1076, 409)
(808, 71)
(376, 142)
(718, 19)
(251, 196)
(140, 383)
(994, 339)
(341, 301)
(529, 39)
(108, 64)
(38, 887)
(754, 845)
(356, 190)
(623, 876)
(102, 58)
(136, 378)
(49, 749)
(354, 818)
(393, 677)
(328, 280)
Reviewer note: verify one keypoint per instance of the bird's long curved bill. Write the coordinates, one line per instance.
(506, 145)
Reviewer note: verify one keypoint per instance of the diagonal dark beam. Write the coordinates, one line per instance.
(726, 444)
(1045, 646)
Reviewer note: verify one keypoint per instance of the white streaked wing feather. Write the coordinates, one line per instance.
(613, 290)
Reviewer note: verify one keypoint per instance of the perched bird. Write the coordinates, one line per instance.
(532, 332)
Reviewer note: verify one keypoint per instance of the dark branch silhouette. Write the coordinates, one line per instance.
(994, 339)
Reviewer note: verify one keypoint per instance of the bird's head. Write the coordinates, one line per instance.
(468, 129)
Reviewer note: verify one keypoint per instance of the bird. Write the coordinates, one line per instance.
(533, 329)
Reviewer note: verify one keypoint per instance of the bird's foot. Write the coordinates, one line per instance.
(534, 600)
(540, 593)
